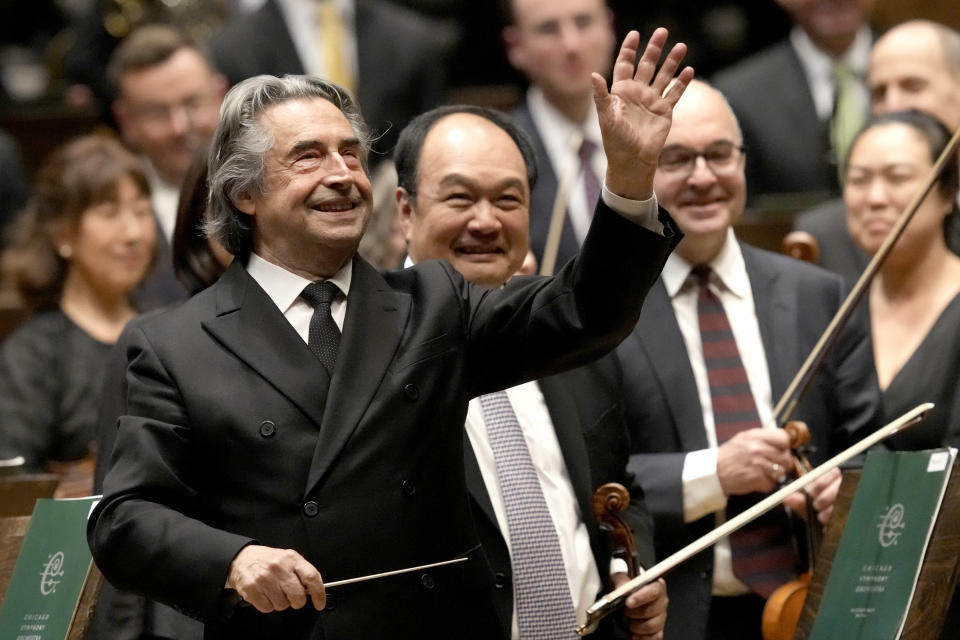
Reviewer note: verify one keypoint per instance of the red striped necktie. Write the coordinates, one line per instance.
(763, 553)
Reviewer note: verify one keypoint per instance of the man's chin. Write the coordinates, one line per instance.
(485, 274)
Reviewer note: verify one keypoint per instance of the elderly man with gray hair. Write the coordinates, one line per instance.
(300, 422)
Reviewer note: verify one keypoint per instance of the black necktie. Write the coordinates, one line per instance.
(324, 334)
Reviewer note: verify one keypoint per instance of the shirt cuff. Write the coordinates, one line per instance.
(645, 213)
(618, 565)
(702, 493)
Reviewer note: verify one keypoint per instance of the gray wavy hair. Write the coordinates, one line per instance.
(241, 142)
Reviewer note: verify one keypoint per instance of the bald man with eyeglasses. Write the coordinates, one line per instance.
(720, 336)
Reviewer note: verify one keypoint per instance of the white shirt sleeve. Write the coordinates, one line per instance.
(642, 212)
(702, 493)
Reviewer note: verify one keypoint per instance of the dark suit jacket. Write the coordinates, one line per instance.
(542, 196)
(401, 59)
(161, 287)
(838, 252)
(788, 147)
(794, 302)
(586, 410)
(230, 437)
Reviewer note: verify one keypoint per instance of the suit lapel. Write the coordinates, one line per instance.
(570, 436)
(659, 333)
(775, 306)
(376, 316)
(248, 324)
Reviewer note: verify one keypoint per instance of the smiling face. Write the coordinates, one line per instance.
(703, 203)
(472, 202)
(316, 197)
(112, 243)
(887, 166)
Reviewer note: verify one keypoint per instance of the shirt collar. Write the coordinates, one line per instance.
(556, 128)
(819, 65)
(285, 287)
(728, 268)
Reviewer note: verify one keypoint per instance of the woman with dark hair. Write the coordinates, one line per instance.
(914, 300)
(84, 241)
(197, 260)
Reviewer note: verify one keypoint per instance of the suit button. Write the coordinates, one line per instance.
(427, 581)
(267, 428)
(500, 580)
(411, 392)
(704, 575)
(331, 603)
(311, 509)
(409, 488)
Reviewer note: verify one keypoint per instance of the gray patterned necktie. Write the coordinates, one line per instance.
(324, 337)
(544, 605)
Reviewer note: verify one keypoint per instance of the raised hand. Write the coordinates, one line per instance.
(635, 114)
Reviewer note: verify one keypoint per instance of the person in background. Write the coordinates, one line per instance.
(166, 99)
(915, 65)
(800, 102)
(464, 196)
(557, 45)
(83, 243)
(719, 339)
(389, 57)
(914, 300)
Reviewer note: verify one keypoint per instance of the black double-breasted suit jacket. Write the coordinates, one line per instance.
(794, 302)
(234, 433)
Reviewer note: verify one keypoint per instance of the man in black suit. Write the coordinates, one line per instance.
(558, 45)
(396, 57)
(572, 422)
(915, 65)
(777, 308)
(785, 96)
(260, 446)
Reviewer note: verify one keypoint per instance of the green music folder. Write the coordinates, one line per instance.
(881, 549)
(51, 569)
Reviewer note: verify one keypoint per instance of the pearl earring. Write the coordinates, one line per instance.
(65, 251)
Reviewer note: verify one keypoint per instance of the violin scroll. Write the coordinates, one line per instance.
(799, 433)
(609, 501)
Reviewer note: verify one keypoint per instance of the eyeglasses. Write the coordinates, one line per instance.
(159, 114)
(722, 157)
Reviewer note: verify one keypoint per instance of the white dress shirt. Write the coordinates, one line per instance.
(562, 139)
(284, 288)
(818, 67)
(301, 18)
(164, 198)
(531, 410)
(702, 492)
